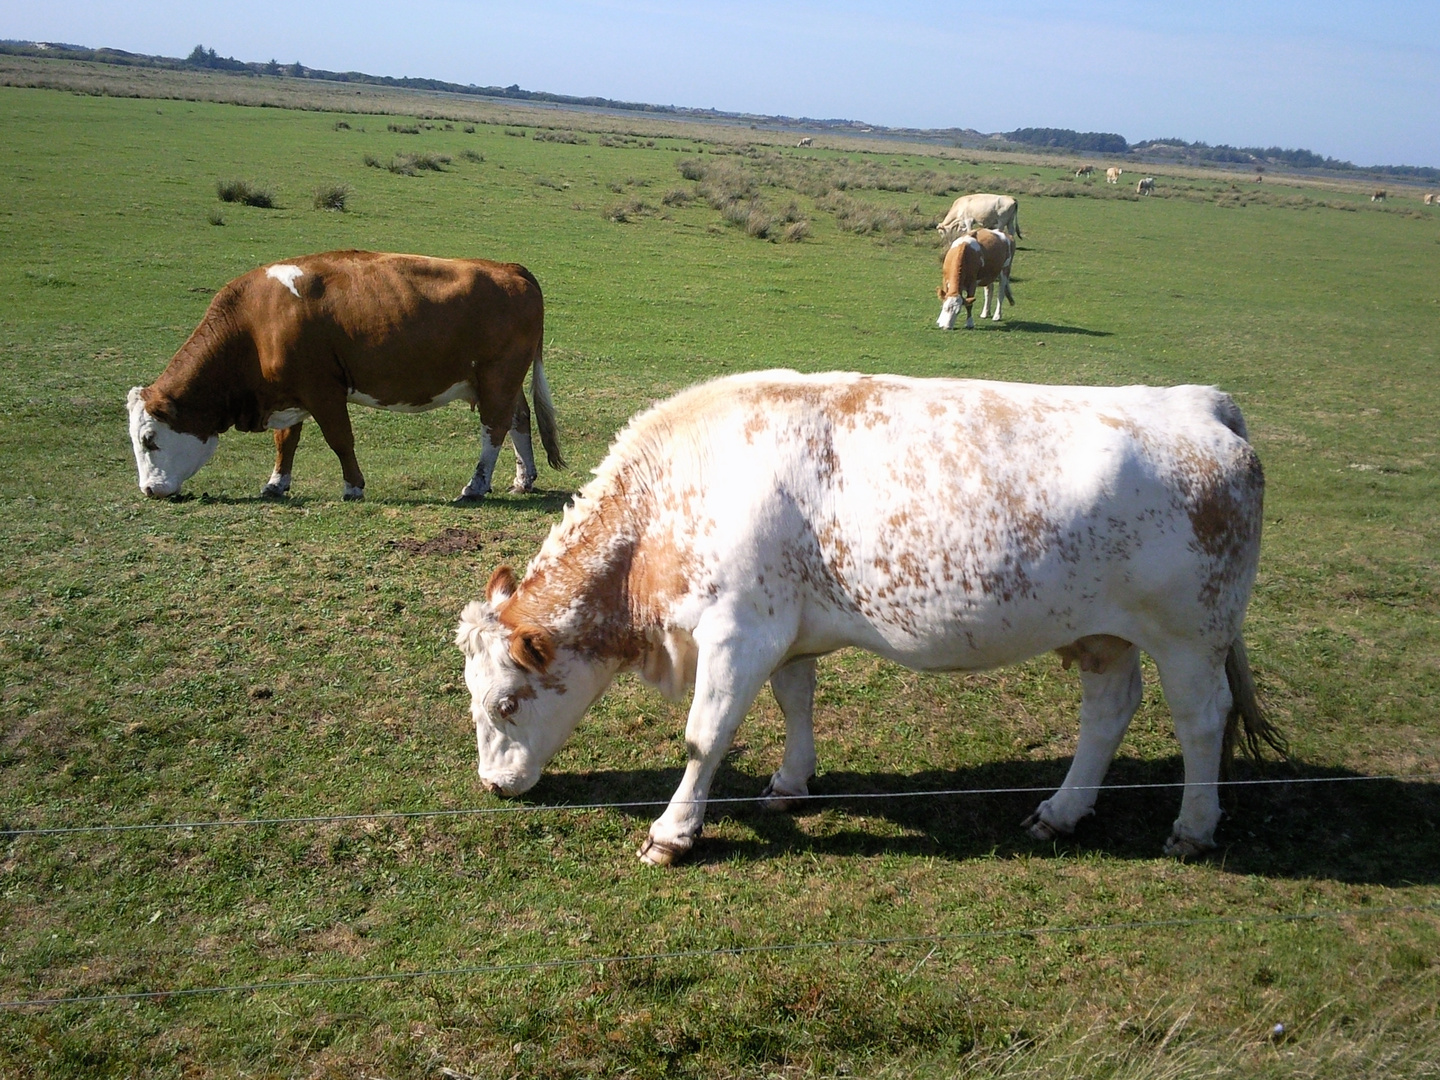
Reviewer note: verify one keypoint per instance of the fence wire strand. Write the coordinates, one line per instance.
(774, 948)
(8, 833)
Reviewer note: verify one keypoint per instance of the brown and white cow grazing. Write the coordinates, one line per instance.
(1429, 198)
(1146, 186)
(982, 210)
(303, 338)
(1378, 195)
(1113, 174)
(743, 528)
(982, 259)
(1085, 170)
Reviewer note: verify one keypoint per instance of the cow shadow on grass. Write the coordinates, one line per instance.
(1319, 823)
(1026, 326)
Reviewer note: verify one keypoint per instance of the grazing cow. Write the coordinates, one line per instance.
(1431, 198)
(1146, 186)
(1112, 175)
(980, 258)
(743, 528)
(1085, 170)
(1259, 178)
(1378, 196)
(804, 142)
(302, 338)
(974, 211)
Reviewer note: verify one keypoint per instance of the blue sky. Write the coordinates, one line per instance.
(1354, 81)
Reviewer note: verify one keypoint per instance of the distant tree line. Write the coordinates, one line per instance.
(1095, 142)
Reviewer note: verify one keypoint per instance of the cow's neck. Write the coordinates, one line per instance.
(207, 387)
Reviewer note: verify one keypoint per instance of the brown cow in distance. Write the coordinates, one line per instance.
(982, 259)
(306, 337)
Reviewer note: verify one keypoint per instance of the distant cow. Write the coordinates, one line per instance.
(1085, 170)
(982, 259)
(1378, 196)
(1431, 198)
(990, 211)
(804, 142)
(1112, 175)
(300, 339)
(1146, 186)
(741, 529)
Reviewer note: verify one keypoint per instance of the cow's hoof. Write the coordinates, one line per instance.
(659, 853)
(518, 488)
(1180, 847)
(774, 798)
(1041, 829)
(354, 496)
(465, 498)
(273, 491)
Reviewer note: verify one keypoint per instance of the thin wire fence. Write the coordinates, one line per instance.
(8, 833)
(935, 940)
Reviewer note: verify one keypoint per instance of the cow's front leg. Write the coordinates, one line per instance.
(286, 441)
(479, 485)
(334, 420)
(1001, 286)
(525, 471)
(794, 688)
(985, 303)
(729, 673)
(1108, 701)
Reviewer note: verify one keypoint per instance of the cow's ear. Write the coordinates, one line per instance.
(501, 587)
(532, 649)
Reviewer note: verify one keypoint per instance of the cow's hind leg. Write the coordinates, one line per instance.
(1002, 289)
(794, 689)
(479, 485)
(1108, 700)
(286, 441)
(525, 471)
(1199, 697)
(985, 302)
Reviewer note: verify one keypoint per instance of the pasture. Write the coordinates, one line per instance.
(223, 658)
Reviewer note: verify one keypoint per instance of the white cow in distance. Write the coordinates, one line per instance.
(981, 211)
(746, 526)
(1113, 174)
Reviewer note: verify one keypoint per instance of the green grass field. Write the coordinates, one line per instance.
(224, 658)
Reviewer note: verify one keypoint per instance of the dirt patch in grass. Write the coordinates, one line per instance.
(451, 541)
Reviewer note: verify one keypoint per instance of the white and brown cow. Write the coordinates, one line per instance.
(1085, 170)
(1145, 186)
(981, 210)
(1113, 174)
(743, 528)
(982, 259)
(304, 338)
(1378, 195)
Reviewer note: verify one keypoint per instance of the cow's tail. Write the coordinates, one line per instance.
(1008, 294)
(1246, 725)
(1018, 234)
(545, 413)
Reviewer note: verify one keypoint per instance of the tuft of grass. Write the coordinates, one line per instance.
(471, 155)
(677, 197)
(795, 232)
(342, 125)
(469, 129)
(568, 137)
(403, 129)
(332, 197)
(518, 133)
(242, 191)
(216, 218)
(626, 210)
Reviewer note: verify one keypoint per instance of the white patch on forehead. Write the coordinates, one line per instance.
(285, 418)
(285, 273)
(461, 390)
(164, 458)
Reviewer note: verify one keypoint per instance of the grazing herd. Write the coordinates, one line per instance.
(749, 525)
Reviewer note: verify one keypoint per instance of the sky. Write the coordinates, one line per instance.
(1359, 82)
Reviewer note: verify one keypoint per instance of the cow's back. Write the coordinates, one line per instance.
(953, 523)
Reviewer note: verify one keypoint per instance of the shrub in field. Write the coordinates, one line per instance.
(677, 197)
(242, 191)
(216, 218)
(332, 197)
(372, 161)
(341, 125)
(403, 129)
(469, 129)
(625, 210)
(545, 181)
(415, 164)
(519, 134)
(560, 137)
(471, 155)
(795, 232)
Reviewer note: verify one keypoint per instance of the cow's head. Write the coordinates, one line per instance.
(165, 458)
(526, 693)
